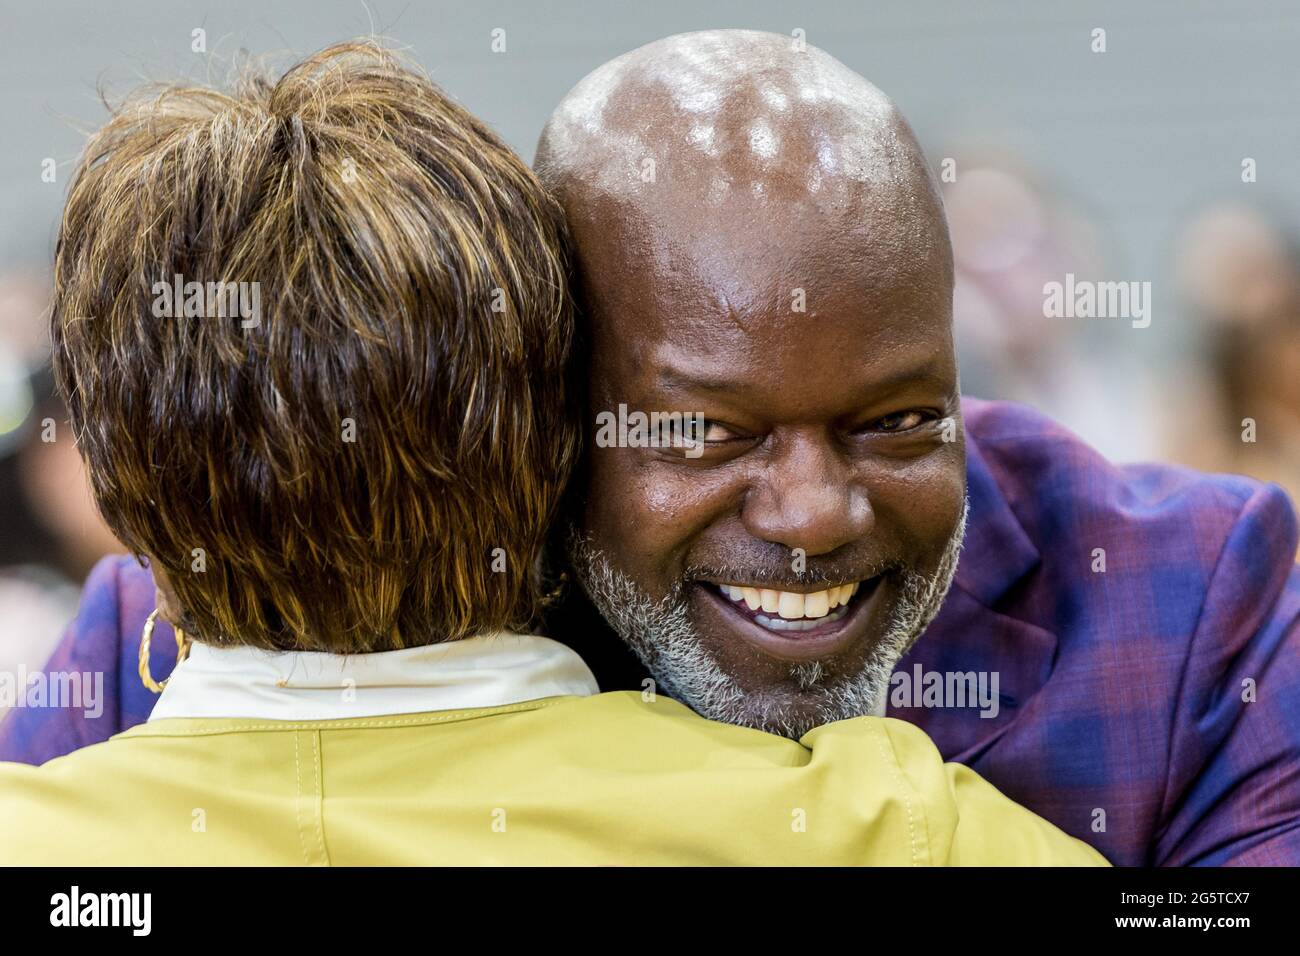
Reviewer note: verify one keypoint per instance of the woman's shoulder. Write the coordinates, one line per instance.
(143, 801)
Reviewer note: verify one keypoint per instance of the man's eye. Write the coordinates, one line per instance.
(898, 422)
(716, 431)
(695, 430)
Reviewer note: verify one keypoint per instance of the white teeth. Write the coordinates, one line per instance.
(791, 605)
(817, 604)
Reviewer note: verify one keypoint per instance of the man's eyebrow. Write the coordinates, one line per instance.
(926, 374)
(678, 380)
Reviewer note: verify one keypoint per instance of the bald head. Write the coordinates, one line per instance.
(742, 124)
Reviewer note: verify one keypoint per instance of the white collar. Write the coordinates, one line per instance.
(485, 671)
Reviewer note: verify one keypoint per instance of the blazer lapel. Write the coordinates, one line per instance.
(969, 637)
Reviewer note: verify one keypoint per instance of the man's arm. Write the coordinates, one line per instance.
(102, 645)
(1233, 796)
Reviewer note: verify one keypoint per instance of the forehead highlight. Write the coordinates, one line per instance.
(726, 104)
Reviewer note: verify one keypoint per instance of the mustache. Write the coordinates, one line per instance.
(781, 577)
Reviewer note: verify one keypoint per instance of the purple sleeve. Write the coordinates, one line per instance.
(1234, 783)
(99, 656)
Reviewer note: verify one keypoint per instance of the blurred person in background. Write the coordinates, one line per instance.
(1238, 273)
(50, 533)
(1012, 232)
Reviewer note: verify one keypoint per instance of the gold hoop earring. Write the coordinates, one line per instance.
(182, 652)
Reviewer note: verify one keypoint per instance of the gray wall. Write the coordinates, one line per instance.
(1138, 134)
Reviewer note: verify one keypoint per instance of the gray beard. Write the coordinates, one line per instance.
(663, 637)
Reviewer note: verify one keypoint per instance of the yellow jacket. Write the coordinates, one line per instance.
(605, 779)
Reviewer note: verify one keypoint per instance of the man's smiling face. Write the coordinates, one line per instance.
(774, 578)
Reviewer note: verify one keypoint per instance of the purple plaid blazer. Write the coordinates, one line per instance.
(1151, 709)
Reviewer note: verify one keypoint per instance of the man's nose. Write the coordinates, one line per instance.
(809, 498)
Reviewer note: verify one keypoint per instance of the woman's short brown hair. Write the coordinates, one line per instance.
(371, 458)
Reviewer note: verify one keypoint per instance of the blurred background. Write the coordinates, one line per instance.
(1169, 158)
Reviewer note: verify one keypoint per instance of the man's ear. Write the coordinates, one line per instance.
(169, 608)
